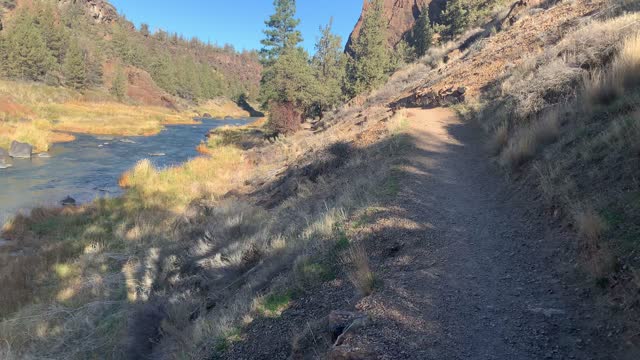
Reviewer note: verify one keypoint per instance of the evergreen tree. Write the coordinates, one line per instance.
(54, 35)
(28, 56)
(422, 33)
(119, 84)
(367, 67)
(402, 55)
(290, 79)
(329, 65)
(281, 32)
(75, 71)
(455, 19)
(94, 69)
(162, 72)
(4, 58)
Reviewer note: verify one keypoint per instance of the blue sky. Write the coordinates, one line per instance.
(238, 22)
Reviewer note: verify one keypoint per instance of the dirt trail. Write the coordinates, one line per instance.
(469, 267)
(478, 275)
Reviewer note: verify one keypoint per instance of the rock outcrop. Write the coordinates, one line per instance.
(400, 14)
(101, 11)
(20, 150)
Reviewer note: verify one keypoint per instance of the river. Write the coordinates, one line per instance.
(91, 166)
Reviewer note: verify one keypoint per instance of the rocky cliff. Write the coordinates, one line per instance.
(100, 10)
(400, 14)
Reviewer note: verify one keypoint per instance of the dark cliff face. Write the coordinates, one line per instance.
(400, 15)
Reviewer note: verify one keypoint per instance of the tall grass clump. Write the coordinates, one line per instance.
(359, 271)
(526, 141)
(606, 85)
(175, 187)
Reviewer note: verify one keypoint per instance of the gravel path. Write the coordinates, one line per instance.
(470, 269)
(478, 275)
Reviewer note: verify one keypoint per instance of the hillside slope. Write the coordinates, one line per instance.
(385, 230)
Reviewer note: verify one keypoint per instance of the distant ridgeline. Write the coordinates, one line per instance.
(86, 44)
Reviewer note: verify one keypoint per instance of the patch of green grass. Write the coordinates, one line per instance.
(230, 337)
(275, 303)
(318, 271)
(343, 241)
(391, 186)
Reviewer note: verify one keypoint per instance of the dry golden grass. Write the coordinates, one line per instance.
(186, 237)
(591, 226)
(524, 144)
(604, 86)
(40, 114)
(175, 187)
(357, 263)
(38, 133)
(221, 107)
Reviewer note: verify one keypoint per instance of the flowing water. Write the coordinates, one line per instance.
(90, 166)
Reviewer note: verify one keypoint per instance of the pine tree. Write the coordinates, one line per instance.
(75, 71)
(94, 69)
(53, 34)
(422, 33)
(455, 19)
(329, 65)
(281, 32)
(290, 79)
(162, 72)
(4, 58)
(367, 67)
(119, 85)
(28, 56)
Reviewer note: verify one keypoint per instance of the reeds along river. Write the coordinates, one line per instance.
(90, 166)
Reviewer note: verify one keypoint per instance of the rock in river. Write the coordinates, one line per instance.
(5, 163)
(68, 201)
(5, 160)
(20, 150)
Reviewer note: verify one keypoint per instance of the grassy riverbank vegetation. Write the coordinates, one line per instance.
(183, 239)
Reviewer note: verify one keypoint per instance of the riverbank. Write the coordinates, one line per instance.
(42, 115)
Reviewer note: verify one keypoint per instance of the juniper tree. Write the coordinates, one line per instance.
(455, 18)
(74, 67)
(119, 85)
(329, 66)
(28, 56)
(54, 34)
(369, 61)
(422, 33)
(281, 32)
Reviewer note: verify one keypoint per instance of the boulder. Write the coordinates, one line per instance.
(20, 150)
(207, 116)
(5, 160)
(68, 201)
(5, 163)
